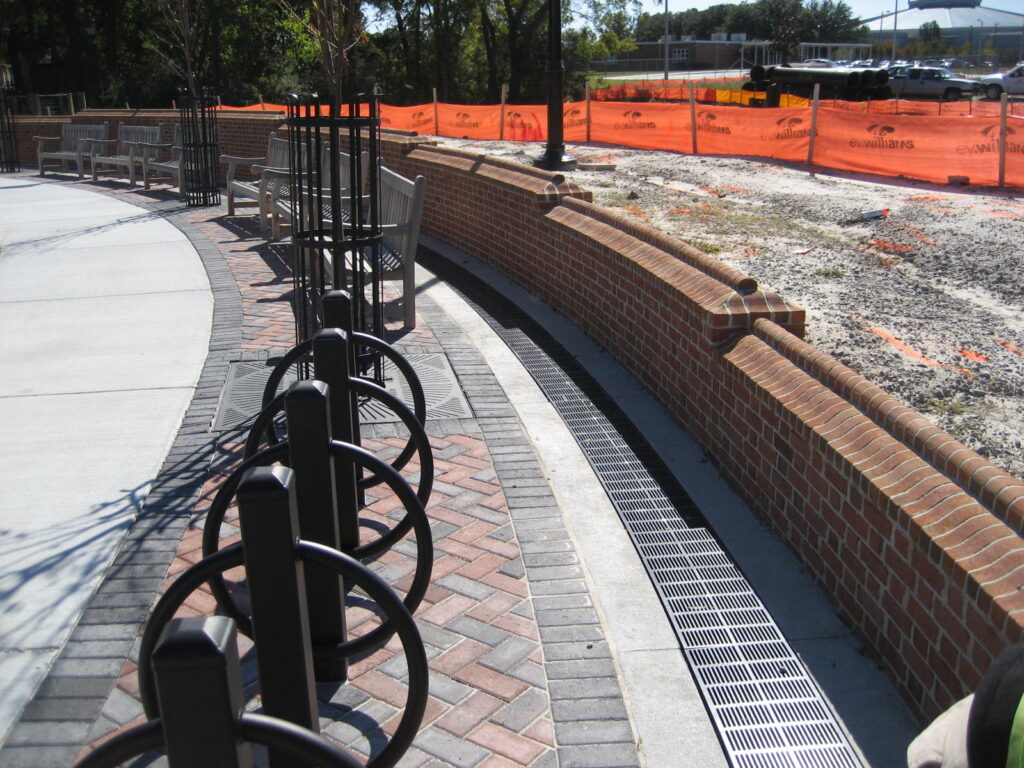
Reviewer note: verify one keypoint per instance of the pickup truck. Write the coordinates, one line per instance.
(1011, 82)
(929, 83)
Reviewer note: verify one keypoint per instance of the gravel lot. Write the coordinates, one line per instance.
(926, 302)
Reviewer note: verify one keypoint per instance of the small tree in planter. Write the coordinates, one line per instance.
(334, 193)
(196, 105)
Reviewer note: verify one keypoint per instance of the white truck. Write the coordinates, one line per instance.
(1011, 82)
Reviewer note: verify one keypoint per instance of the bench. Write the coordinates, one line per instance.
(126, 151)
(278, 189)
(277, 157)
(401, 211)
(73, 145)
(166, 169)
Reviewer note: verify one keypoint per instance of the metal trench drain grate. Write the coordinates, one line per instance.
(243, 390)
(768, 712)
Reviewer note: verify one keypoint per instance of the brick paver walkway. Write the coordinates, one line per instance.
(520, 672)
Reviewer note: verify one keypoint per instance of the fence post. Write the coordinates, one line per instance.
(814, 124)
(437, 130)
(306, 405)
(269, 521)
(693, 119)
(587, 97)
(501, 124)
(199, 685)
(1004, 102)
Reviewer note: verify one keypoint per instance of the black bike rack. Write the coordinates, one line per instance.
(275, 559)
(198, 681)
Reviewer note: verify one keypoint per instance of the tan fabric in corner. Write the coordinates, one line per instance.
(943, 744)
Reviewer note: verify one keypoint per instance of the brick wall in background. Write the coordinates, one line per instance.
(243, 134)
(917, 538)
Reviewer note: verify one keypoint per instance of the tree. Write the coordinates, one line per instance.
(832, 21)
(785, 23)
(929, 39)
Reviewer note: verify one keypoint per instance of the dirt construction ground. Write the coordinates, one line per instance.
(927, 302)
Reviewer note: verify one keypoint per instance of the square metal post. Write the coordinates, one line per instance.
(306, 405)
(199, 686)
(269, 522)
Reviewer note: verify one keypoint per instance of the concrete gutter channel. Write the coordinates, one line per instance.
(670, 723)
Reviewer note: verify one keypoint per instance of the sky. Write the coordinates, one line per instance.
(865, 9)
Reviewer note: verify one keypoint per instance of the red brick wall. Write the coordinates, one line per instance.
(915, 537)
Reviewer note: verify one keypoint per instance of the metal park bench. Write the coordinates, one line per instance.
(167, 169)
(73, 145)
(127, 152)
(277, 157)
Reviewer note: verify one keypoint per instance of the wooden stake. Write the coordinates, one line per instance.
(814, 124)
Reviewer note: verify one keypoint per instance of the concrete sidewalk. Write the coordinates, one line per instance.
(104, 325)
(547, 643)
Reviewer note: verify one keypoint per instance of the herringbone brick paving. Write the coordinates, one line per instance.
(520, 672)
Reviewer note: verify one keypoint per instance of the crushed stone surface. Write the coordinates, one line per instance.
(927, 301)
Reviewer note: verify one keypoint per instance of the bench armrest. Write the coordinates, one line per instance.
(233, 163)
(45, 138)
(147, 145)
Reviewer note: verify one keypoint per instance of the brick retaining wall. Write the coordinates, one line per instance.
(916, 537)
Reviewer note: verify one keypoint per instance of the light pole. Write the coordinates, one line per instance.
(666, 40)
(554, 157)
(895, 17)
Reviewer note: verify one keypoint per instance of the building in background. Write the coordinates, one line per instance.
(977, 33)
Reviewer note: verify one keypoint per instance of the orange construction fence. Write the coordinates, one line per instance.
(877, 137)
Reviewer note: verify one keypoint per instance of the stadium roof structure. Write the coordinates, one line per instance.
(948, 14)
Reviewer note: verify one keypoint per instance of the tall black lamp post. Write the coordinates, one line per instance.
(555, 157)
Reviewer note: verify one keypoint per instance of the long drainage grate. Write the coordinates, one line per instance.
(768, 711)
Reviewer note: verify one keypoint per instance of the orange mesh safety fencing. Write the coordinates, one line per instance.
(866, 137)
(909, 145)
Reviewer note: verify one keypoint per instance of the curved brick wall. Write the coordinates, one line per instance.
(917, 538)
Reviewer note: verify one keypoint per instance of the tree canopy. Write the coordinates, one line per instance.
(129, 51)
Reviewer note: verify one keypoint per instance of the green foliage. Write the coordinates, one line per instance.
(123, 51)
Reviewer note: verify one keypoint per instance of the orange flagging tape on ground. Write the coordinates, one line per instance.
(904, 348)
(972, 355)
(1010, 347)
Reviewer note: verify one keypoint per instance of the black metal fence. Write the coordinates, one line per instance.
(299, 495)
(200, 155)
(8, 140)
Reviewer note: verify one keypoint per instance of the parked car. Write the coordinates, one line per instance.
(817, 63)
(930, 83)
(1011, 82)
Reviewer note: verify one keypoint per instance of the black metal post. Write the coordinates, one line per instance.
(331, 363)
(8, 142)
(554, 157)
(306, 405)
(199, 148)
(199, 685)
(269, 521)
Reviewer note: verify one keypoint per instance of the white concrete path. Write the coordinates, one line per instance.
(105, 316)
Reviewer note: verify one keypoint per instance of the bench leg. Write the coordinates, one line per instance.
(231, 202)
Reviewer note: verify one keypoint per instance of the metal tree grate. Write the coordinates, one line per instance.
(767, 710)
(243, 392)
